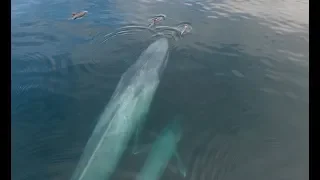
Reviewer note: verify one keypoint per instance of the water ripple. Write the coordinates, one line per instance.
(242, 75)
(223, 156)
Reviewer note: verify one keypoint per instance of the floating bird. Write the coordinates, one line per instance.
(78, 15)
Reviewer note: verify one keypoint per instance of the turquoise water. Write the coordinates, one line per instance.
(240, 79)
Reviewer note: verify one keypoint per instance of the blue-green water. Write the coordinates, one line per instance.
(240, 78)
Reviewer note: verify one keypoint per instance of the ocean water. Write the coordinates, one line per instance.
(240, 78)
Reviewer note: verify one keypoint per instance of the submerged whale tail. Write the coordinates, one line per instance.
(162, 150)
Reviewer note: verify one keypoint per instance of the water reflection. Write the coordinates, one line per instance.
(241, 78)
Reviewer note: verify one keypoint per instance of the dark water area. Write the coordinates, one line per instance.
(240, 78)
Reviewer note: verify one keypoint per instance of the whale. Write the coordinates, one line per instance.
(124, 115)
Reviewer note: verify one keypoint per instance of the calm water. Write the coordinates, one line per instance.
(241, 79)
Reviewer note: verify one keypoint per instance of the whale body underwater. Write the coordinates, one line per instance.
(123, 115)
(163, 148)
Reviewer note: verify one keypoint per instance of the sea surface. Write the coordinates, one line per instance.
(241, 78)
